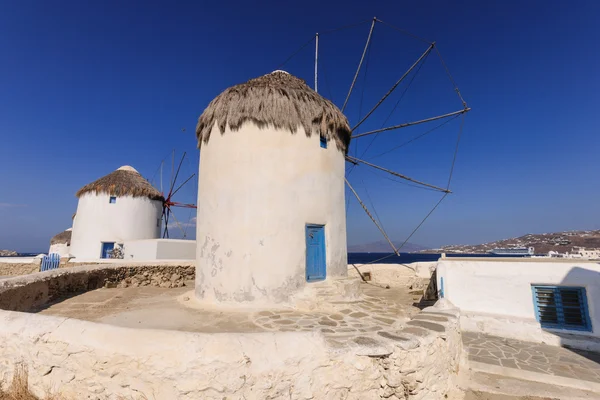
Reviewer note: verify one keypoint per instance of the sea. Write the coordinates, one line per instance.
(406, 258)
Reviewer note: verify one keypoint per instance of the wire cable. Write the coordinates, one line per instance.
(296, 52)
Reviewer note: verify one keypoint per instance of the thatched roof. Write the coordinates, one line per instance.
(125, 181)
(277, 99)
(63, 237)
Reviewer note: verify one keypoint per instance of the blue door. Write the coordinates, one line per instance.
(107, 247)
(315, 253)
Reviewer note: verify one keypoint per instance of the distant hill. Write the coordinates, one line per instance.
(383, 246)
(543, 242)
(8, 253)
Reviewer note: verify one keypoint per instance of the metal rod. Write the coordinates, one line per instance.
(177, 174)
(451, 79)
(316, 62)
(394, 87)
(172, 170)
(407, 124)
(356, 160)
(370, 216)
(161, 168)
(179, 225)
(166, 231)
(359, 64)
(180, 186)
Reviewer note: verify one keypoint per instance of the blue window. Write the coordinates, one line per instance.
(323, 140)
(112, 200)
(561, 307)
(107, 248)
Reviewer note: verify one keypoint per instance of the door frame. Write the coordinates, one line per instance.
(102, 248)
(324, 245)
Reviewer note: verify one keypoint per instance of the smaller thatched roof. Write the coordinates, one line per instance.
(125, 181)
(63, 237)
(277, 99)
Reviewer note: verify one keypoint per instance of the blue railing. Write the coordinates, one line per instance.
(51, 261)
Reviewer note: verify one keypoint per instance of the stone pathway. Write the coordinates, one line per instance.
(373, 312)
(533, 357)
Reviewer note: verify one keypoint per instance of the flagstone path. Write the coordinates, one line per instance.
(533, 357)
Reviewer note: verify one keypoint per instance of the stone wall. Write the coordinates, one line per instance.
(31, 291)
(13, 269)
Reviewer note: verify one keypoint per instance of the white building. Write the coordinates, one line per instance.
(271, 211)
(61, 243)
(118, 207)
(554, 301)
(582, 252)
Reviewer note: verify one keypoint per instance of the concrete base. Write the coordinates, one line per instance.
(485, 386)
(535, 376)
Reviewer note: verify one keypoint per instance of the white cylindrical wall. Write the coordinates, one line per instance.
(97, 220)
(61, 248)
(257, 191)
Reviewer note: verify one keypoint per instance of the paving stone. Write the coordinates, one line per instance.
(388, 335)
(533, 357)
(359, 314)
(265, 313)
(284, 322)
(385, 320)
(433, 318)
(427, 325)
(327, 322)
(413, 330)
(485, 360)
(509, 363)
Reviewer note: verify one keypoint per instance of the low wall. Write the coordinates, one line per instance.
(19, 266)
(418, 277)
(80, 359)
(495, 296)
(83, 359)
(31, 291)
(397, 275)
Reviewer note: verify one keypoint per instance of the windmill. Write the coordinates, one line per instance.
(169, 198)
(408, 76)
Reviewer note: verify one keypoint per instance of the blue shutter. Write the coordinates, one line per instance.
(112, 200)
(561, 307)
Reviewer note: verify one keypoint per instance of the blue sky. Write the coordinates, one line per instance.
(86, 87)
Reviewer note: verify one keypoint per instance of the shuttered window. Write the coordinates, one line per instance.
(561, 307)
(323, 141)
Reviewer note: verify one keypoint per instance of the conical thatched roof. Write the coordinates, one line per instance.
(63, 237)
(277, 99)
(125, 181)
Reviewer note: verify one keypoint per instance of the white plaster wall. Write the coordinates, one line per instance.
(257, 190)
(176, 249)
(61, 248)
(498, 289)
(160, 249)
(98, 221)
(140, 249)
